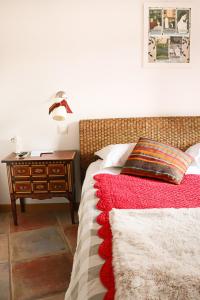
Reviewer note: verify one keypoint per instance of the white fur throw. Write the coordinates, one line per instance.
(156, 253)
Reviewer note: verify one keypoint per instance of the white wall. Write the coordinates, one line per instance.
(93, 50)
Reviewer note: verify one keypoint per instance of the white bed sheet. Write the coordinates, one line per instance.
(85, 283)
(93, 169)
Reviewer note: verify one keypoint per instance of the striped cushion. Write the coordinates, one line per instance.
(153, 159)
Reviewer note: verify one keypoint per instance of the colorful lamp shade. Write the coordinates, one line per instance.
(60, 108)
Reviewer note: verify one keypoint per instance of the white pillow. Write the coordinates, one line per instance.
(193, 170)
(194, 151)
(115, 155)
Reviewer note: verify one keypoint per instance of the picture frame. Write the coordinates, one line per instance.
(167, 34)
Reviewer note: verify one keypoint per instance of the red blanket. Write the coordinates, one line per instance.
(121, 191)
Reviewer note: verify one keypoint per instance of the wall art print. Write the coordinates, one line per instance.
(167, 33)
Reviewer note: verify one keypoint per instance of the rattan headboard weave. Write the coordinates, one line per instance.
(181, 132)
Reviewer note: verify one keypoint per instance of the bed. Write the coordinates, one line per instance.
(180, 132)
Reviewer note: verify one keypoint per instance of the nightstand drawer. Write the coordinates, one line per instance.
(40, 187)
(58, 186)
(21, 171)
(38, 170)
(22, 187)
(56, 169)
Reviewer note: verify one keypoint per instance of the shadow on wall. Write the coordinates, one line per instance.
(68, 135)
(68, 140)
(6, 148)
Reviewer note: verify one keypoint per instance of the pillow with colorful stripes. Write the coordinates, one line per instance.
(157, 160)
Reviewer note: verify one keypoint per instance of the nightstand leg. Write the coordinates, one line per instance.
(14, 210)
(72, 212)
(22, 204)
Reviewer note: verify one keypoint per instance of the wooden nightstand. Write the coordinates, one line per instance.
(47, 176)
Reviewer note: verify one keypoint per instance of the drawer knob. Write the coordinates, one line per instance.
(23, 187)
(40, 186)
(58, 186)
(21, 171)
(38, 171)
(56, 171)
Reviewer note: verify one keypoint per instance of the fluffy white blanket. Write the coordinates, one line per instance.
(156, 253)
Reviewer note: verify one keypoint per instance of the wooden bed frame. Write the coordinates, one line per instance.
(95, 134)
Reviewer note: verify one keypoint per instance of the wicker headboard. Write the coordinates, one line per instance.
(181, 132)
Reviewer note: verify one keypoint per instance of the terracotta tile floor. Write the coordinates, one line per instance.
(36, 256)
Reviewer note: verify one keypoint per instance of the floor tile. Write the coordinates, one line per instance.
(4, 282)
(64, 218)
(60, 296)
(71, 236)
(41, 277)
(3, 248)
(4, 222)
(27, 221)
(35, 243)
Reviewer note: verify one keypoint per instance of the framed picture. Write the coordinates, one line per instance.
(167, 33)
